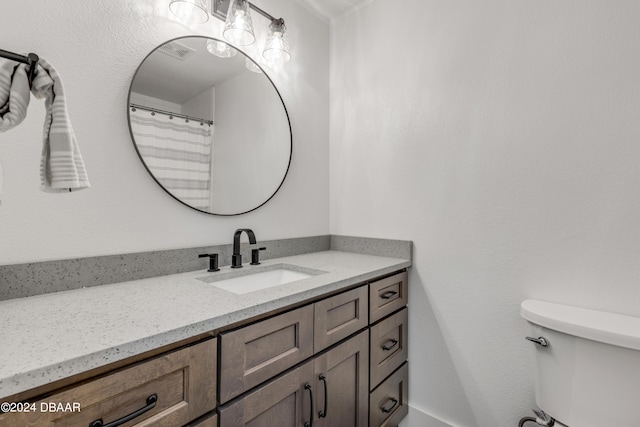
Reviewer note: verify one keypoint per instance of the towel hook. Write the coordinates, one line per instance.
(33, 65)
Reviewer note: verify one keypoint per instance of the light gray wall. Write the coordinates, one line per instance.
(502, 137)
(96, 47)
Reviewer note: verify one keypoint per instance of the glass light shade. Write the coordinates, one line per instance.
(220, 49)
(251, 66)
(190, 11)
(276, 49)
(238, 28)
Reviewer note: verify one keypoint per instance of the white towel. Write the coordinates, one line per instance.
(61, 166)
(14, 99)
(14, 94)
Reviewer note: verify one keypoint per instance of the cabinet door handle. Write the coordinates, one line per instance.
(389, 347)
(323, 413)
(151, 403)
(309, 423)
(388, 410)
(388, 295)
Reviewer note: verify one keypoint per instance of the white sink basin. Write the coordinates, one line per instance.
(259, 280)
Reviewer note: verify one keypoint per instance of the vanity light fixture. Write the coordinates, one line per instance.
(190, 11)
(238, 27)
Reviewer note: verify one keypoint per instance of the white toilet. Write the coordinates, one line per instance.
(588, 374)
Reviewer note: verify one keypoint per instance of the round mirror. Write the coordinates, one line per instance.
(209, 126)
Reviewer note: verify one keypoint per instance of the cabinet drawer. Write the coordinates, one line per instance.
(339, 316)
(183, 384)
(255, 353)
(387, 295)
(388, 346)
(388, 404)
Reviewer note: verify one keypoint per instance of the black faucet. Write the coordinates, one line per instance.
(236, 258)
(213, 261)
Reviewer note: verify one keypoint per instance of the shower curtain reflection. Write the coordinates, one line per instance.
(178, 153)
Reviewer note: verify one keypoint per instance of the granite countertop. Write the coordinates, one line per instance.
(49, 337)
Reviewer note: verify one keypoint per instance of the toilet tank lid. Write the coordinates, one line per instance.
(610, 328)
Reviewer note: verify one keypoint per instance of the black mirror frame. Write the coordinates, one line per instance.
(147, 167)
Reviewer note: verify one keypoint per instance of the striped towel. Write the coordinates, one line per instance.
(14, 94)
(61, 167)
(14, 98)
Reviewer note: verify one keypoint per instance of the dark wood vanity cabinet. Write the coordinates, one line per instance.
(335, 362)
(331, 389)
(389, 370)
(357, 376)
(335, 379)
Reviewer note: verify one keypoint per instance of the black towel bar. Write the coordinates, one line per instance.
(31, 60)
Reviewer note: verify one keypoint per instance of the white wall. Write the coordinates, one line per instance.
(503, 138)
(96, 46)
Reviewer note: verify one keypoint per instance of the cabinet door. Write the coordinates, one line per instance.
(339, 316)
(284, 402)
(341, 384)
(252, 355)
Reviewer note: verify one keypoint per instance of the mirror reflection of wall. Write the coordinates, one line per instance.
(231, 152)
(245, 159)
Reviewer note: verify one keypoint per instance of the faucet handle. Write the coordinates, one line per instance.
(213, 261)
(255, 256)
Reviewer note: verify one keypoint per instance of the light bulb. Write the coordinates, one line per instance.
(238, 28)
(276, 49)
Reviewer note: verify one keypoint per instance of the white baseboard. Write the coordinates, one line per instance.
(419, 418)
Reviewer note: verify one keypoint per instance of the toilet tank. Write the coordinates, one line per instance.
(589, 375)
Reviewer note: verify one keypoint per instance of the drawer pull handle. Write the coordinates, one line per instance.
(309, 423)
(389, 410)
(388, 295)
(389, 347)
(323, 413)
(151, 403)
